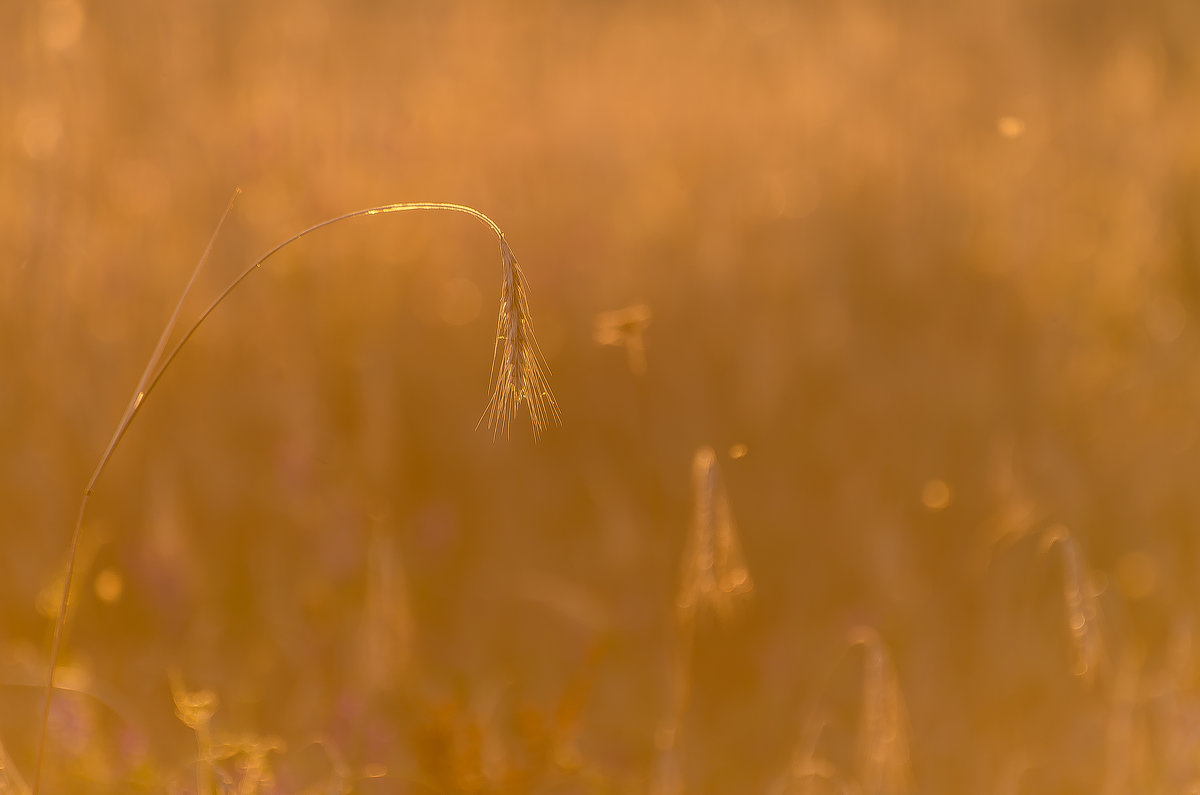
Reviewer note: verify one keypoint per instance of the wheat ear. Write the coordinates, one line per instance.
(519, 376)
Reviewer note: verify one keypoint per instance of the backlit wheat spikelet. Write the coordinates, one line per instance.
(520, 372)
(626, 327)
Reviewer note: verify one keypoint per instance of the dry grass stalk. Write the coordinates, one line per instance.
(1081, 602)
(519, 377)
(883, 734)
(882, 766)
(626, 327)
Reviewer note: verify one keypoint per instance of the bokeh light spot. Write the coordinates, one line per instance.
(39, 130)
(109, 585)
(935, 495)
(62, 24)
(1010, 126)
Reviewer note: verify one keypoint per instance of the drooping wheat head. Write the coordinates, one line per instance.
(519, 377)
(241, 762)
(519, 370)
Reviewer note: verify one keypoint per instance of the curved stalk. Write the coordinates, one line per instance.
(519, 378)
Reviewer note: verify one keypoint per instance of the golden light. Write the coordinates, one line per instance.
(935, 495)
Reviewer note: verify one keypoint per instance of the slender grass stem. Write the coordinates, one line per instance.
(145, 384)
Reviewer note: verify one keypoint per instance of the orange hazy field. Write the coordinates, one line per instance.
(873, 328)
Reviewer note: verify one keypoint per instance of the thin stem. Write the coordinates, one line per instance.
(383, 210)
(669, 775)
(135, 404)
(155, 368)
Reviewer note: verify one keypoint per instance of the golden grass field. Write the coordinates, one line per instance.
(873, 330)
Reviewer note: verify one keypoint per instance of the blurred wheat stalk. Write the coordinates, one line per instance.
(1080, 599)
(882, 764)
(713, 575)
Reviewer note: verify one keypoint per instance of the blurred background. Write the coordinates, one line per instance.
(924, 276)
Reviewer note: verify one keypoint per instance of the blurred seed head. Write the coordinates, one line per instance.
(625, 328)
(883, 734)
(250, 754)
(714, 569)
(1080, 599)
(195, 708)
